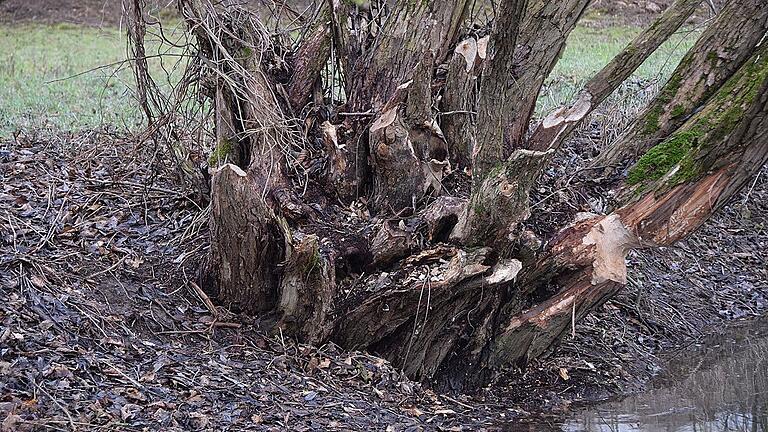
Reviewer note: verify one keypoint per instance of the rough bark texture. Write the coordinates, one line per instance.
(718, 53)
(496, 107)
(459, 99)
(439, 285)
(246, 246)
(307, 289)
(730, 146)
(511, 84)
(412, 30)
(414, 33)
(310, 59)
(407, 148)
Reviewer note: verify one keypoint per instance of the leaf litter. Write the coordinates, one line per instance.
(102, 326)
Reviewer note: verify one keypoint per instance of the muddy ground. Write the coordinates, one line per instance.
(101, 326)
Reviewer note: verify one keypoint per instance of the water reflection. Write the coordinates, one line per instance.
(723, 390)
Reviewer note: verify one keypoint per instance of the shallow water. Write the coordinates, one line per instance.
(722, 386)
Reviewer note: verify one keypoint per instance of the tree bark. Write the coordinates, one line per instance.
(558, 125)
(439, 285)
(407, 148)
(716, 152)
(310, 58)
(721, 49)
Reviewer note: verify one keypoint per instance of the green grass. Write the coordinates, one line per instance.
(33, 56)
(50, 76)
(589, 49)
(36, 61)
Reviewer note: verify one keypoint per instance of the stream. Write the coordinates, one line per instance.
(720, 385)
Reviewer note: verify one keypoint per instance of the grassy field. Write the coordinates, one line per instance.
(44, 78)
(589, 49)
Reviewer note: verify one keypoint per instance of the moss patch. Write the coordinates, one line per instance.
(221, 153)
(677, 111)
(665, 96)
(663, 157)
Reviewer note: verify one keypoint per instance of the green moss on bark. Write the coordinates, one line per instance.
(663, 157)
(652, 120)
(221, 154)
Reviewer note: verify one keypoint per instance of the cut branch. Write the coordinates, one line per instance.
(557, 126)
(730, 146)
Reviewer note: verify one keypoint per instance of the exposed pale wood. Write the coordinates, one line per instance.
(451, 288)
(558, 125)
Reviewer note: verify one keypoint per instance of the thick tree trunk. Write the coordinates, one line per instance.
(407, 149)
(679, 184)
(440, 286)
(717, 54)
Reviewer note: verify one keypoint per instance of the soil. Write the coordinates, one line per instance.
(101, 324)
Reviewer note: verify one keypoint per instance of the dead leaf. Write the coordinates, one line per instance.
(129, 411)
(415, 412)
(10, 422)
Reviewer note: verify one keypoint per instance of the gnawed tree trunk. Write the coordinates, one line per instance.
(684, 180)
(334, 227)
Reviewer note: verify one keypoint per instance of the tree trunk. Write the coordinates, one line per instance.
(717, 54)
(334, 228)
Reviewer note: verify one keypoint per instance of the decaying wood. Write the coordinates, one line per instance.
(500, 202)
(408, 150)
(340, 226)
(667, 210)
(307, 289)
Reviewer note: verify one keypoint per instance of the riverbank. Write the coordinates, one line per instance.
(675, 298)
(101, 325)
(719, 384)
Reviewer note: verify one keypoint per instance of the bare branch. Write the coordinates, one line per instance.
(557, 126)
